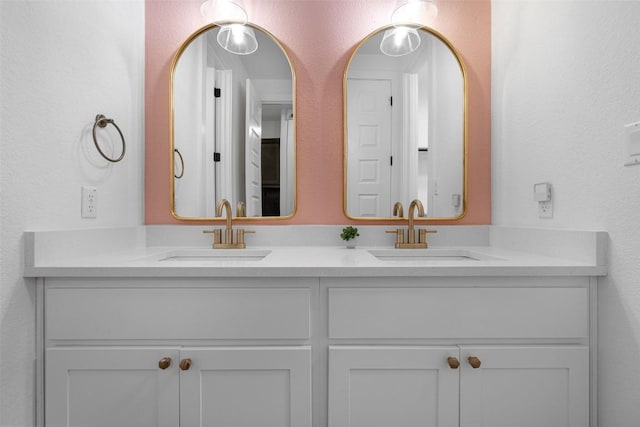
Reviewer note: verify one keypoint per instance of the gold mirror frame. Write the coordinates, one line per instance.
(175, 154)
(458, 57)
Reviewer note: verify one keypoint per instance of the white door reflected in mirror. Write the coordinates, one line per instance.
(405, 129)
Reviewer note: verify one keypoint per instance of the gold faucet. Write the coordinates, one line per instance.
(398, 210)
(226, 241)
(411, 242)
(241, 209)
(411, 235)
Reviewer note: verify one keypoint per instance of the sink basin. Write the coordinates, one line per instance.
(428, 255)
(213, 255)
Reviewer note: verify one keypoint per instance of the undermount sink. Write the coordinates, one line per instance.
(213, 255)
(429, 255)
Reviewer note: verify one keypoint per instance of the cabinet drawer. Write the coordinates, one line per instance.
(458, 312)
(99, 313)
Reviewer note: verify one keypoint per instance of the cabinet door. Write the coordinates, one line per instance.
(392, 386)
(246, 387)
(525, 387)
(98, 387)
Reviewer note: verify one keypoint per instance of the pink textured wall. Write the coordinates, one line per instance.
(319, 36)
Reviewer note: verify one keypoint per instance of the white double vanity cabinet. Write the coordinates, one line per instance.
(476, 335)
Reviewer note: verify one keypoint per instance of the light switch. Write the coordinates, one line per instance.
(542, 192)
(633, 144)
(542, 195)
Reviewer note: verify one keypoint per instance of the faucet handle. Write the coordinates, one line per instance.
(217, 235)
(422, 235)
(240, 232)
(399, 235)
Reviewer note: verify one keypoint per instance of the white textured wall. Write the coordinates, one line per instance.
(565, 82)
(62, 62)
(189, 134)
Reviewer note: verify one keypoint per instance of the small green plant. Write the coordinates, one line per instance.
(349, 233)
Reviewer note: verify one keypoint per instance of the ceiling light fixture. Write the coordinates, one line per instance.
(414, 11)
(234, 35)
(237, 38)
(224, 10)
(399, 41)
(404, 38)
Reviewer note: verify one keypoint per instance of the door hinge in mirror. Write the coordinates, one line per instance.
(217, 92)
(216, 157)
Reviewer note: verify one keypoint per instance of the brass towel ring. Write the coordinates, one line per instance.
(175, 150)
(102, 122)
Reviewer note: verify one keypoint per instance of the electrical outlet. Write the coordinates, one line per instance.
(545, 209)
(89, 203)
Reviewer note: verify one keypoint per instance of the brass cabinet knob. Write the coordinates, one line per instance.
(185, 364)
(164, 363)
(474, 362)
(453, 362)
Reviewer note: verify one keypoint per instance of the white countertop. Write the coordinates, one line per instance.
(135, 252)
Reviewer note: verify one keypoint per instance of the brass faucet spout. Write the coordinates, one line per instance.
(398, 210)
(414, 204)
(241, 209)
(227, 207)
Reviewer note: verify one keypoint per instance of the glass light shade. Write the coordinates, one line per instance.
(237, 38)
(399, 41)
(419, 11)
(224, 10)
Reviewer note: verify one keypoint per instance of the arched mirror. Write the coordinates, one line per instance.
(232, 124)
(405, 125)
